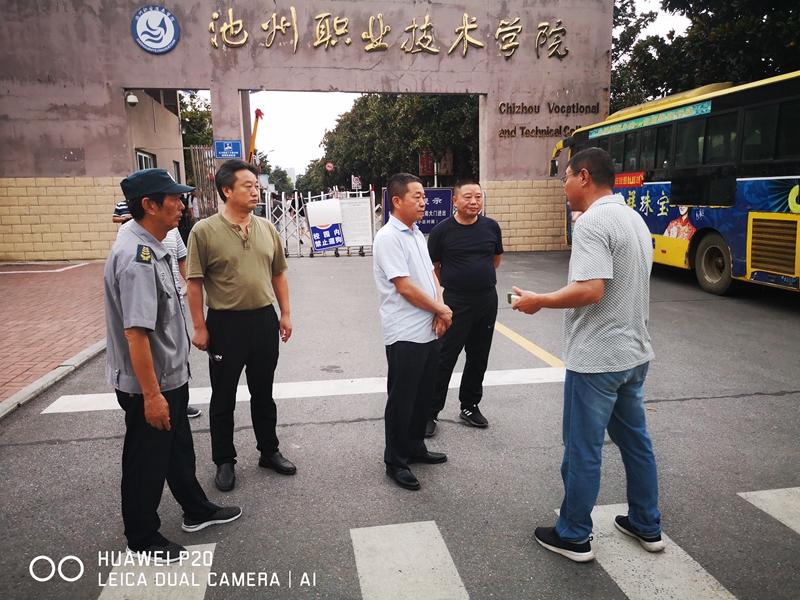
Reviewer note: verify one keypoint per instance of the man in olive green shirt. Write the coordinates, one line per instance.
(238, 258)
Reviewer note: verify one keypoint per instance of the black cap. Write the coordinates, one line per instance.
(151, 181)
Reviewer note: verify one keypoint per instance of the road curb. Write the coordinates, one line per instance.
(45, 382)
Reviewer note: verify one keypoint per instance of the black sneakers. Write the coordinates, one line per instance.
(473, 416)
(223, 515)
(193, 412)
(651, 544)
(548, 538)
(162, 552)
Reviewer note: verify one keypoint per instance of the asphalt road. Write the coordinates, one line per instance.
(722, 395)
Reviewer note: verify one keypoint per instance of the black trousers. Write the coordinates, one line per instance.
(412, 369)
(149, 458)
(242, 339)
(472, 330)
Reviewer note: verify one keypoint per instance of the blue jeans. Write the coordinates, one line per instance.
(592, 403)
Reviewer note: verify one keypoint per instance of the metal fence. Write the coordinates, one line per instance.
(288, 214)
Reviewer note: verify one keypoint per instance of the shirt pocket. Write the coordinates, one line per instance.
(171, 305)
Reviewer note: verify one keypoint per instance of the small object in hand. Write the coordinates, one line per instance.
(512, 298)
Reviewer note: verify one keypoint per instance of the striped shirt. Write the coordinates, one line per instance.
(121, 209)
(610, 242)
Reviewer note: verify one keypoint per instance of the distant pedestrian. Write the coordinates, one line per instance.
(121, 212)
(147, 363)
(413, 316)
(607, 353)
(466, 250)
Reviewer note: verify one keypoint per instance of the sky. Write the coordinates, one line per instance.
(294, 122)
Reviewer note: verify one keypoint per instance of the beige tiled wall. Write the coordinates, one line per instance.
(57, 218)
(69, 218)
(530, 213)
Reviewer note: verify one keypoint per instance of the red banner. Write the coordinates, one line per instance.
(629, 179)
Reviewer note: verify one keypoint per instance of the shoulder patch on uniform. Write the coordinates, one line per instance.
(144, 254)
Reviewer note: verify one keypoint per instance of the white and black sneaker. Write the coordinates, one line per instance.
(193, 412)
(548, 538)
(162, 552)
(223, 515)
(650, 543)
(473, 416)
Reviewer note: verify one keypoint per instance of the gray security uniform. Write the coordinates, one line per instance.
(140, 292)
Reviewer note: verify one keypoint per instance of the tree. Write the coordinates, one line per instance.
(727, 40)
(385, 134)
(313, 179)
(277, 176)
(280, 179)
(196, 128)
(628, 26)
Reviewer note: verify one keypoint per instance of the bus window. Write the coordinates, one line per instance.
(631, 151)
(789, 130)
(689, 143)
(664, 148)
(720, 141)
(759, 133)
(602, 143)
(617, 152)
(647, 161)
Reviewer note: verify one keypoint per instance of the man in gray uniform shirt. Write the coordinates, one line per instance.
(607, 352)
(148, 366)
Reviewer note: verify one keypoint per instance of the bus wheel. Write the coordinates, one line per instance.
(713, 264)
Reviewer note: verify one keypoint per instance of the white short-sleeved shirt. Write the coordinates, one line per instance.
(610, 241)
(402, 252)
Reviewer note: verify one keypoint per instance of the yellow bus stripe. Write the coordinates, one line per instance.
(529, 346)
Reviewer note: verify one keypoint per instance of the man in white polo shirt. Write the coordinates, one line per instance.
(607, 352)
(413, 316)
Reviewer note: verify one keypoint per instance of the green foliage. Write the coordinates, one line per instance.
(277, 176)
(280, 179)
(195, 127)
(384, 134)
(313, 180)
(728, 40)
(628, 25)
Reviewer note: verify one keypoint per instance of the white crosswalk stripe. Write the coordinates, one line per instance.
(783, 504)
(312, 389)
(641, 575)
(405, 562)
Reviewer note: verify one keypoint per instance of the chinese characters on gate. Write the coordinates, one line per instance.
(328, 30)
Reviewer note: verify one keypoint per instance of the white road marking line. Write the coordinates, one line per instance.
(405, 562)
(783, 504)
(311, 389)
(61, 270)
(643, 575)
(179, 581)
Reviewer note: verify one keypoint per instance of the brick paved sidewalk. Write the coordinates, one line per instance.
(46, 317)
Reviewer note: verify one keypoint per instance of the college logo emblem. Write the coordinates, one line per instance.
(155, 29)
(143, 254)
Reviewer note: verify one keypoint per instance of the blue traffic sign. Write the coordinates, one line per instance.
(227, 149)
